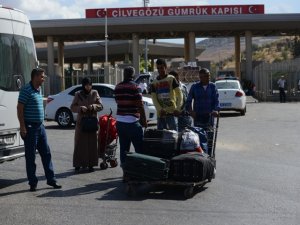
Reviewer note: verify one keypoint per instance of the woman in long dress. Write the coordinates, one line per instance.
(86, 102)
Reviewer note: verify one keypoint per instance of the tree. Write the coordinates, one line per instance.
(296, 47)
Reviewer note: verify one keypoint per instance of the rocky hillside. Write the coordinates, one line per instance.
(220, 49)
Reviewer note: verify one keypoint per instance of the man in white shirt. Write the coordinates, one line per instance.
(143, 86)
(281, 84)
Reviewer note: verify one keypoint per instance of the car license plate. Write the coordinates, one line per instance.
(227, 104)
(7, 139)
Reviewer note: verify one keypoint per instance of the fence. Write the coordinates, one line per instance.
(111, 75)
(266, 76)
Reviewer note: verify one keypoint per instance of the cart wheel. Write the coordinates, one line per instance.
(103, 166)
(113, 163)
(130, 190)
(188, 192)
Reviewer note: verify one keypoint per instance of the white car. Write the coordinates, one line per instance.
(58, 106)
(231, 95)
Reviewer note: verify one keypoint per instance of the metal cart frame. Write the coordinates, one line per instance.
(189, 187)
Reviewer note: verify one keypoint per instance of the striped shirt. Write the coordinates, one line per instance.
(128, 96)
(32, 100)
(166, 94)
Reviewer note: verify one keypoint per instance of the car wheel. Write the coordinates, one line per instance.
(243, 112)
(64, 117)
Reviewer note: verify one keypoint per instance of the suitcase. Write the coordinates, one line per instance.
(160, 143)
(145, 167)
(192, 167)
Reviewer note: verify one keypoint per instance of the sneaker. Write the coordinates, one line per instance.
(55, 185)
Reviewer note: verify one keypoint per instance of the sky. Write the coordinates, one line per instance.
(71, 9)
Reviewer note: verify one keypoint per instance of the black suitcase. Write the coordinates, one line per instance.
(145, 167)
(160, 143)
(192, 167)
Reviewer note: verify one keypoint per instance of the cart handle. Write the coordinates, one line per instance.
(110, 112)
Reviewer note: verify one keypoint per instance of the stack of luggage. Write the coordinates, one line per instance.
(170, 155)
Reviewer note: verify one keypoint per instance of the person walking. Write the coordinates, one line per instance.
(86, 102)
(205, 98)
(30, 111)
(184, 118)
(166, 96)
(281, 85)
(131, 115)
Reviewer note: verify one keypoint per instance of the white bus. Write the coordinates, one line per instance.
(17, 59)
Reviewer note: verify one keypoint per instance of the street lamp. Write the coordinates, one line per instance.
(146, 2)
(106, 37)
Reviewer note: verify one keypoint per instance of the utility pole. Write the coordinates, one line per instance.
(146, 2)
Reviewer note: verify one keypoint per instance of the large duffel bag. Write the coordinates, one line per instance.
(202, 136)
(160, 143)
(192, 167)
(145, 167)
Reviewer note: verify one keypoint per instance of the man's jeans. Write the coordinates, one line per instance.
(36, 139)
(129, 133)
(168, 122)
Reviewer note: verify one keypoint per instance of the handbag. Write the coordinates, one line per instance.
(89, 124)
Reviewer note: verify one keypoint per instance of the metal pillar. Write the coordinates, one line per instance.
(89, 66)
(50, 63)
(186, 49)
(192, 47)
(248, 37)
(135, 53)
(237, 56)
(61, 62)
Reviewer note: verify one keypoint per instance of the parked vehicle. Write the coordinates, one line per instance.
(226, 74)
(231, 95)
(146, 78)
(58, 106)
(17, 59)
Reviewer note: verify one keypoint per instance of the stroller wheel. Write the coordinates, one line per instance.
(114, 163)
(103, 166)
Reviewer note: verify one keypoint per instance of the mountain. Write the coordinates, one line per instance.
(218, 49)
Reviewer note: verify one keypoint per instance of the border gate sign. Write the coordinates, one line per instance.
(175, 11)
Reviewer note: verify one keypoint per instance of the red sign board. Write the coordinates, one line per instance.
(175, 11)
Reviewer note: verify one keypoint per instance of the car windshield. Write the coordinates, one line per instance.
(227, 85)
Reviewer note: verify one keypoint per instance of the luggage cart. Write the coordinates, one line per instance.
(107, 141)
(189, 187)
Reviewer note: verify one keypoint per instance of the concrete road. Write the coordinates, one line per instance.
(257, 181)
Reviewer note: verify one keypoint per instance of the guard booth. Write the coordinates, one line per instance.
(266, 75)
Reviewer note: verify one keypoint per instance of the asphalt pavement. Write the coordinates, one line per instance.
(257, 181)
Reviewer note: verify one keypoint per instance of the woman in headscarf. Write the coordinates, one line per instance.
(86, 102)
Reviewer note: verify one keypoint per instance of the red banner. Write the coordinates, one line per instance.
(175, 11)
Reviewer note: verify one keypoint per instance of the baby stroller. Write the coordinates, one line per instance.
(107, 141)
